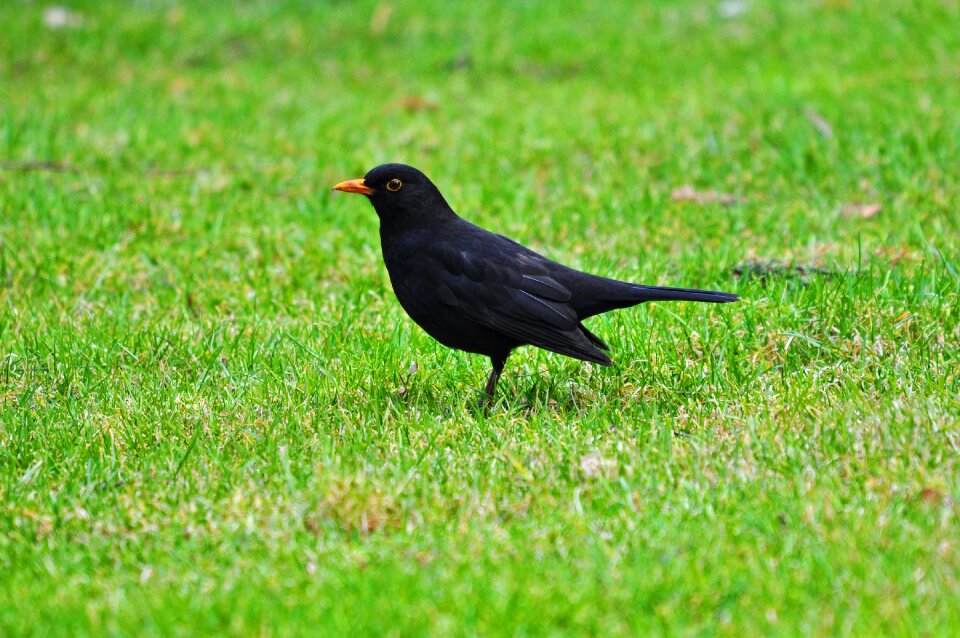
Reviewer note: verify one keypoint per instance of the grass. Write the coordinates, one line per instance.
(207, 421)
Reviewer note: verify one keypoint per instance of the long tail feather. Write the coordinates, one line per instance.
(659, 293)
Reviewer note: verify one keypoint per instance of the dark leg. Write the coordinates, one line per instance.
(492, 383)
(498, 363)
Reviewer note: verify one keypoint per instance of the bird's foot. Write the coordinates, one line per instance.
(484, 403)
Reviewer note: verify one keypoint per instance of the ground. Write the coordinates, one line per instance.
(209, 417)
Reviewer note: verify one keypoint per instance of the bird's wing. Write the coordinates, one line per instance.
(506, 287)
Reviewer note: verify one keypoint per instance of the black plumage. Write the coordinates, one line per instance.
(481, 292)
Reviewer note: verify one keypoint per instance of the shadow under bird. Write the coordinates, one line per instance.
(481, 292)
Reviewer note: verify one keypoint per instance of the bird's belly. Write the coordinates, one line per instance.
(443, 322)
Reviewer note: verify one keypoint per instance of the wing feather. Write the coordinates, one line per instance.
(515, 297)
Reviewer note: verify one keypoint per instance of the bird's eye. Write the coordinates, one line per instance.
(394, 185)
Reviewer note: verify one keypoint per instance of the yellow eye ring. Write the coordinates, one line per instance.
(394, 185)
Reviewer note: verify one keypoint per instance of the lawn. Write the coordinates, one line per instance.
(209, 418)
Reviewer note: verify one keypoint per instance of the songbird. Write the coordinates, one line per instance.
(481, 292)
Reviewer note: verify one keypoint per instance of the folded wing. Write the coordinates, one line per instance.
(512, 293)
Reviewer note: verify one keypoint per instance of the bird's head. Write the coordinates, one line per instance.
(398, 191)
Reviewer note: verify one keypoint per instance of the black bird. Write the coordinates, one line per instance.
(481, 292)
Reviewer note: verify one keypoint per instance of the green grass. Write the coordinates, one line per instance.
(206, 419)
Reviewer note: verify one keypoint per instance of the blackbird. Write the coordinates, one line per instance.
(481, 292)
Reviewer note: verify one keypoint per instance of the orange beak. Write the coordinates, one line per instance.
(354, 186)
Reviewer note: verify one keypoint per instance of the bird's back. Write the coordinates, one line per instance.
(464, 284)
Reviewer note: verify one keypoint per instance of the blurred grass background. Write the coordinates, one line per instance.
(207, 422)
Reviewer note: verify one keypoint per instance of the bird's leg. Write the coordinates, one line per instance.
(491, 386)
(492, 383)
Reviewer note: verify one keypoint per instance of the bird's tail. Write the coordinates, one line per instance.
(598, 294)
(659, 293)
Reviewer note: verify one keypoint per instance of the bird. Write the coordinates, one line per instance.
(477, 291)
